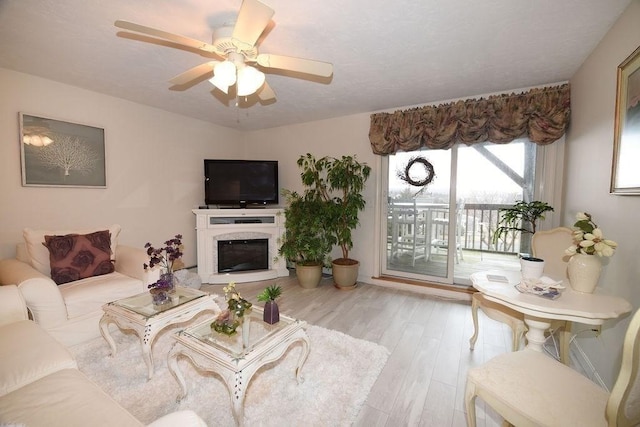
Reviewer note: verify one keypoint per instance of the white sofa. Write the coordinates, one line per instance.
(71, 312)
(40, 385)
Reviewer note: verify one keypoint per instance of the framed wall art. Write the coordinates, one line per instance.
(625, 173)
(56, 153)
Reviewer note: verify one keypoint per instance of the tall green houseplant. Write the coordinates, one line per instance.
(339, 182)
(306, 241)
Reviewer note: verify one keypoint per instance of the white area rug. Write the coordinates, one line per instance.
(338, 376)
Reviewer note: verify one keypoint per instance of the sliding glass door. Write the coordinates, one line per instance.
(443, 207)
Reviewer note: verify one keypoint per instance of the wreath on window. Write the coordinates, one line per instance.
(420, 162)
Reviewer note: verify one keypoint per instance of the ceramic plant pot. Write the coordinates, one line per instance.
(345, 276)
(271, 312)
(309, 276)
(531, 268)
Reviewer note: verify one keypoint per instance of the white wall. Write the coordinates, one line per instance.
(154, 166)
(335, 137)
(587, 175)
(155, 169)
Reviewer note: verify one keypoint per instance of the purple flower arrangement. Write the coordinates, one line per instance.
(165, 258)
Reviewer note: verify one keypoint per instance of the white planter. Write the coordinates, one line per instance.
(584, 272)
(531, 268)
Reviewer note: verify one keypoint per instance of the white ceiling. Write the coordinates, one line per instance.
(386, 54)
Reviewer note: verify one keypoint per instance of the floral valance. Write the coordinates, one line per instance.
(540, 114)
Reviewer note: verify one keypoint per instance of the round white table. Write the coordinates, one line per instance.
(590, 309)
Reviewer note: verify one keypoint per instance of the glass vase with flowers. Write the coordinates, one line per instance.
(168, 258)
(589, 245)
(236, 314)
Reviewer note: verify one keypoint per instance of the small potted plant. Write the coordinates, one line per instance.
(521, 217)
(271, 311)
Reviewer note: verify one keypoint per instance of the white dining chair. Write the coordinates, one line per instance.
(529, 388)
(441, 241)
(408, 235)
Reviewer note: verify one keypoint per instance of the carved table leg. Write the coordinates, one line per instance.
(172, 363)
(145, 341)
(104, 331)
(303, 357)
(535, 335)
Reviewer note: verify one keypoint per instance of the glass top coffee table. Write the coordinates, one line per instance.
(138, 313)
(235, 359)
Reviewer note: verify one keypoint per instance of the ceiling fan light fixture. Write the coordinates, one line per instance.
(37, 140)
(249, 80)
(224, 75)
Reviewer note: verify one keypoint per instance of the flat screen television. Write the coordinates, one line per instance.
(241, 183)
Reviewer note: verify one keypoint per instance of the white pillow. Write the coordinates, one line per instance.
(39, 254)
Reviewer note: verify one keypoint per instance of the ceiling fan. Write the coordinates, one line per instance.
(236, 48)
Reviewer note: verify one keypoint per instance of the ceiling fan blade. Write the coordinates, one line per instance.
(253, 18)
(266, 93)
(308, 66)
(194, 73)
(176, 38)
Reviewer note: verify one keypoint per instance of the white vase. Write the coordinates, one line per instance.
(246, 329)
(584, 272)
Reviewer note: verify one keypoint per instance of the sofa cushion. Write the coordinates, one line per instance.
(90, 294)
(66, 398)
(28, 353)
(78, 256)
(39, 254)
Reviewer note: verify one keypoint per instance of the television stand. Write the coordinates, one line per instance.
(238, 224)
(244, 206)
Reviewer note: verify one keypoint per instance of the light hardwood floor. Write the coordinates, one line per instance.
(427, 337)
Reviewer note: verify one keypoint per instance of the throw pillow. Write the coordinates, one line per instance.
(78, 256)
(38, 253)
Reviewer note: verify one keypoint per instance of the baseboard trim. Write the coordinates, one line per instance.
(462, 293)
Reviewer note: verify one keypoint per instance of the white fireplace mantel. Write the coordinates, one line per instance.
(215, 224)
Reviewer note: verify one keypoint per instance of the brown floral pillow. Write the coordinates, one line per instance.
(78, 256)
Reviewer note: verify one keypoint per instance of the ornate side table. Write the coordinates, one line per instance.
(231, 360)
(138, 313)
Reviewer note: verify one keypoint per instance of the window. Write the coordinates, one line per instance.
(442, 232)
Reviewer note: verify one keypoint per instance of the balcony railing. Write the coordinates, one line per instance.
(477, 223)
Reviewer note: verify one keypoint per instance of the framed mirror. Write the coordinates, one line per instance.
(625, 173)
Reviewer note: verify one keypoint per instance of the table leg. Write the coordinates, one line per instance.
(303, 357)
(172, 364)
(145, 341)
(104, 331)
(240, 384)
(474, 315)
(535, 334)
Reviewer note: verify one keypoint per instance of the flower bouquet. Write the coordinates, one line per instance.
(228, 320)
(588, 239)
(167, 257)
(584, 268)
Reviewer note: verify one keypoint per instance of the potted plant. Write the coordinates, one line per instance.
(271, 311)
(589, 246)
(306, 241)
(521, 217)
(339, 183)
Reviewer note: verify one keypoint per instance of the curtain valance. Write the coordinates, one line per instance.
(541, 114)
